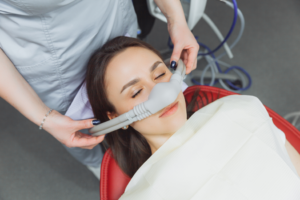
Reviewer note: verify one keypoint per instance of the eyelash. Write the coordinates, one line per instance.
(142, 89)
(160, 76)
(137, 93)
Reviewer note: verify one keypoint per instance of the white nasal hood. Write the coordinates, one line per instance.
(162, 95)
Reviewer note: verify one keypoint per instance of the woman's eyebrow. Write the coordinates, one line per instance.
(134, 81)
(130, 83)
(155, 65)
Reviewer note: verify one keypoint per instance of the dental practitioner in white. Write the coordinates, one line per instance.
(44, 49)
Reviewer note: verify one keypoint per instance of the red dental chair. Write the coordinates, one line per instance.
(114, 181)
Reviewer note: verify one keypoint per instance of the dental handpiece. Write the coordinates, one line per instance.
(162, 95)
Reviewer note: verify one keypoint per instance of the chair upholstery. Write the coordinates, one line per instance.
(114, 181)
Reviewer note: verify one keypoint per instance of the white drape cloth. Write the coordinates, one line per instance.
(228, 150)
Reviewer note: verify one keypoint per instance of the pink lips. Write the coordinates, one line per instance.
(171, 109)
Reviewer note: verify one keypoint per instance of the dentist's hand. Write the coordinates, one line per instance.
(185, 45)
(66, 131)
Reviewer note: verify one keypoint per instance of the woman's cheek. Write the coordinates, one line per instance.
(155, 125)
(148, 125)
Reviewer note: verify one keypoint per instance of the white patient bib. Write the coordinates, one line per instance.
(228, 150)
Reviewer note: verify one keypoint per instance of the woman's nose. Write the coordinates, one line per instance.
(151, 85)
(153, 82)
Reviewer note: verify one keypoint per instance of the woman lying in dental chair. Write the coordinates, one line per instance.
(230, 149)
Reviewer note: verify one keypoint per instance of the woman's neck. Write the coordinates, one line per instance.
(156, 141)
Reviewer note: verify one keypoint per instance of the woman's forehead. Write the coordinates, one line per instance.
(131, 62)
(134, 55)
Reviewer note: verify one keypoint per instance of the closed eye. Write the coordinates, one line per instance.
(137, 93)
(142, 89)
(160, 76)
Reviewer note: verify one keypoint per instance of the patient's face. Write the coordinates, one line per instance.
(129, 79)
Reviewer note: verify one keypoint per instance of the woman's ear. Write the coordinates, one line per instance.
(111, 115)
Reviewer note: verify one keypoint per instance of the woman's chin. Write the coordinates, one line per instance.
(174, 122)
(175, 125)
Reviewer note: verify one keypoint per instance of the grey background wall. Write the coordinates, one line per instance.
(33, 165)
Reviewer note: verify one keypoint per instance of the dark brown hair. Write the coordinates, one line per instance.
(129, 148)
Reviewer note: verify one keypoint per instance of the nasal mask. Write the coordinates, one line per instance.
(162, 95)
